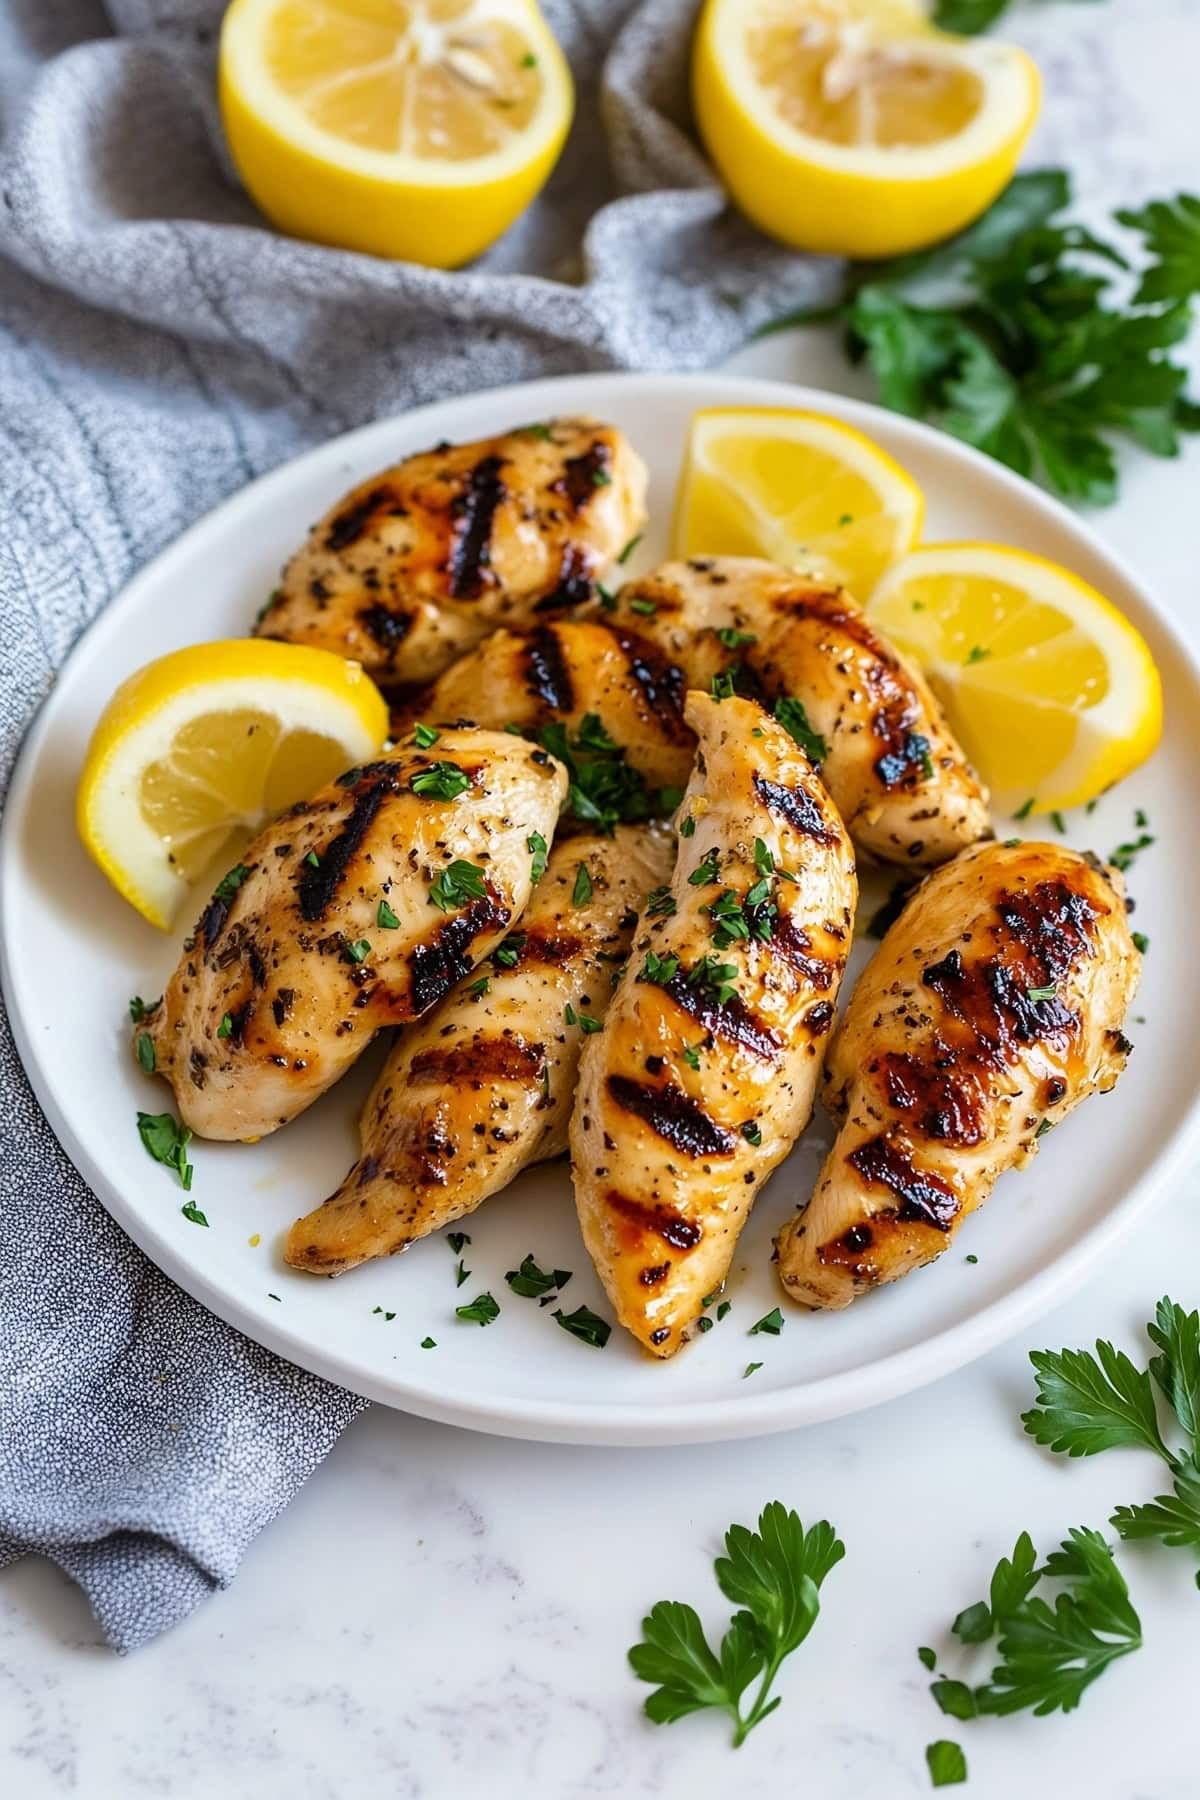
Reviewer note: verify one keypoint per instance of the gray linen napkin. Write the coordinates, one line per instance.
(159, 347)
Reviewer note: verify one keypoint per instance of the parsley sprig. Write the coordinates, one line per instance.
(604, 790)
(1014, 336)
(1089, 1403)
(774, 1575)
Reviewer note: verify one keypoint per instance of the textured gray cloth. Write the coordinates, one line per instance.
(158, 348)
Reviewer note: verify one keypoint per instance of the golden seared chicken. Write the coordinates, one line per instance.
(359, 908)
(901, 782)
(419, 563)
(483, 1087)
(991, 1008)
(563, 671)
(704, 1074)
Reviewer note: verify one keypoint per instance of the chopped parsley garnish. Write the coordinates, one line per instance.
(724, 1309)
(705, 1324)
(385, 918)
(647, 608)
(945, 1759)
(793, 716)
(764, 862)
(225, 1028)
(629, 549)
(736, 920)
(601, 478)
(590, 1026)
(705, 870)
(606, 597)
(733, 639)
(479, 986)
(1059, 823)
(531, 1281)
(458, 1241)
(719, 978)
(313, 860)
(357, 952)
(581, 893)
(230, 882)
(1141, 942)
(586, 1325)
(977, 654)
(751, 1369)
(145, 1049)
(461, 1273)
(603, 790)
(192, 1213)
(660, 903)
(752, 1132)
(771, 1323)
(691, 1054)
(687, 827)
(536, 845)
(658, 969)
(508, 954)
(721, 686)
(1042, 993)
(1124, 855)
(441, 781)
(428, 1343)
(387, 1316)
(480, 1311)
(529, 60)
(140, 1009)
(166, 1140)
(425, 737)
(457, 885)
(1140, 818)
(1026, 807)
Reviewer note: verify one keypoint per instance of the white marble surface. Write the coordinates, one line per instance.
(441, 1614)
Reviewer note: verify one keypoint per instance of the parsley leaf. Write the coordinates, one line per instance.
(531, 1282)
(166, 1140)
(1176, 1335)
(771, 1323)
(480, 1311)
(1171, 229)
(535, 843)
(441, 781)
(230, 882)
(584, 1324)
(1091, 1403)
(947, 1764)
(581, 893)
(603, 790)
(457, 1240)
(144, 1047)
(458, 884)
(793, 717)
(140, 1010)
(774, 1576)
(425, 737)
(192, 1213)
(385, 918)
(1171, 1518)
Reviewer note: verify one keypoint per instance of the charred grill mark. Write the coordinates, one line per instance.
(924, 1199)
(474, 511)
(849, 1251)
(389, 629)
(819, 1018)
(652, 1276)
(438, 965)
(797, 806)
(478, 1061)
(316, 887)
(828, 606)
(669, 1225)
(258, 968)
(212, 920)
(733, 1022)
(943, 1093)
(546, 673)
(281, 1005)
(673, 1116)
(574, 584)
(993, 1002)
(660, 682)
(583, 474)
(795, 946)
(1054, 923)
(239, 1018)
(349, 525)
(551, 948)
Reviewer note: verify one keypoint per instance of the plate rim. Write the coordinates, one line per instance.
(628, 1422)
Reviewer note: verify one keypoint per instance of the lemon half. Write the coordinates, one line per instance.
(209, 740)
(852, 127)
(416, 129)
(795, 487)
(1052, 692)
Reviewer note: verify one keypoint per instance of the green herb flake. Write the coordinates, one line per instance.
(425, 737)
(691, 1055)
(660, 903)
(461, 1274)
(1141, 942)
(687, 827)
(793, 716)
(601, 478)
(531, 1281)
(947, 1764)
(357, 952)
(192, 1213)
(1026, 807)
(441, 781)
(536, 845)
(457, 885)
(313, 860)
(1059, 823)
(140, 1009)
(385, 918)
(658, 969)
(586, 1325)
(771, 1323)
(733, 639)
(230, 882)
(705, 870)
(1042, 993)
(630, 547)
(582, 891)
(428, 1343)
(145, 1050)
(976, 654)
(928, 1657)
(458, 1241)
(724, 1309)
(750, 1369)
(721, 686)
(166, 1140)
(479, 987)
(647, 608)
(225, 1028)
(480, 1311)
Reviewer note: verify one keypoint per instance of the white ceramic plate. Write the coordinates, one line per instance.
(73, 953)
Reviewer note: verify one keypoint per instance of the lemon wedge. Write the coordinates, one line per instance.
(209, 740)
(416, 129)
(1051, 691)
(795, 487)
(851, 126)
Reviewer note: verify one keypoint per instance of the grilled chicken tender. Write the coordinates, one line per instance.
(482, 1088)
(563, 671)
(417, 564)
(992, 1007)
(331, 925)
(704, 1074)
(901, 782)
